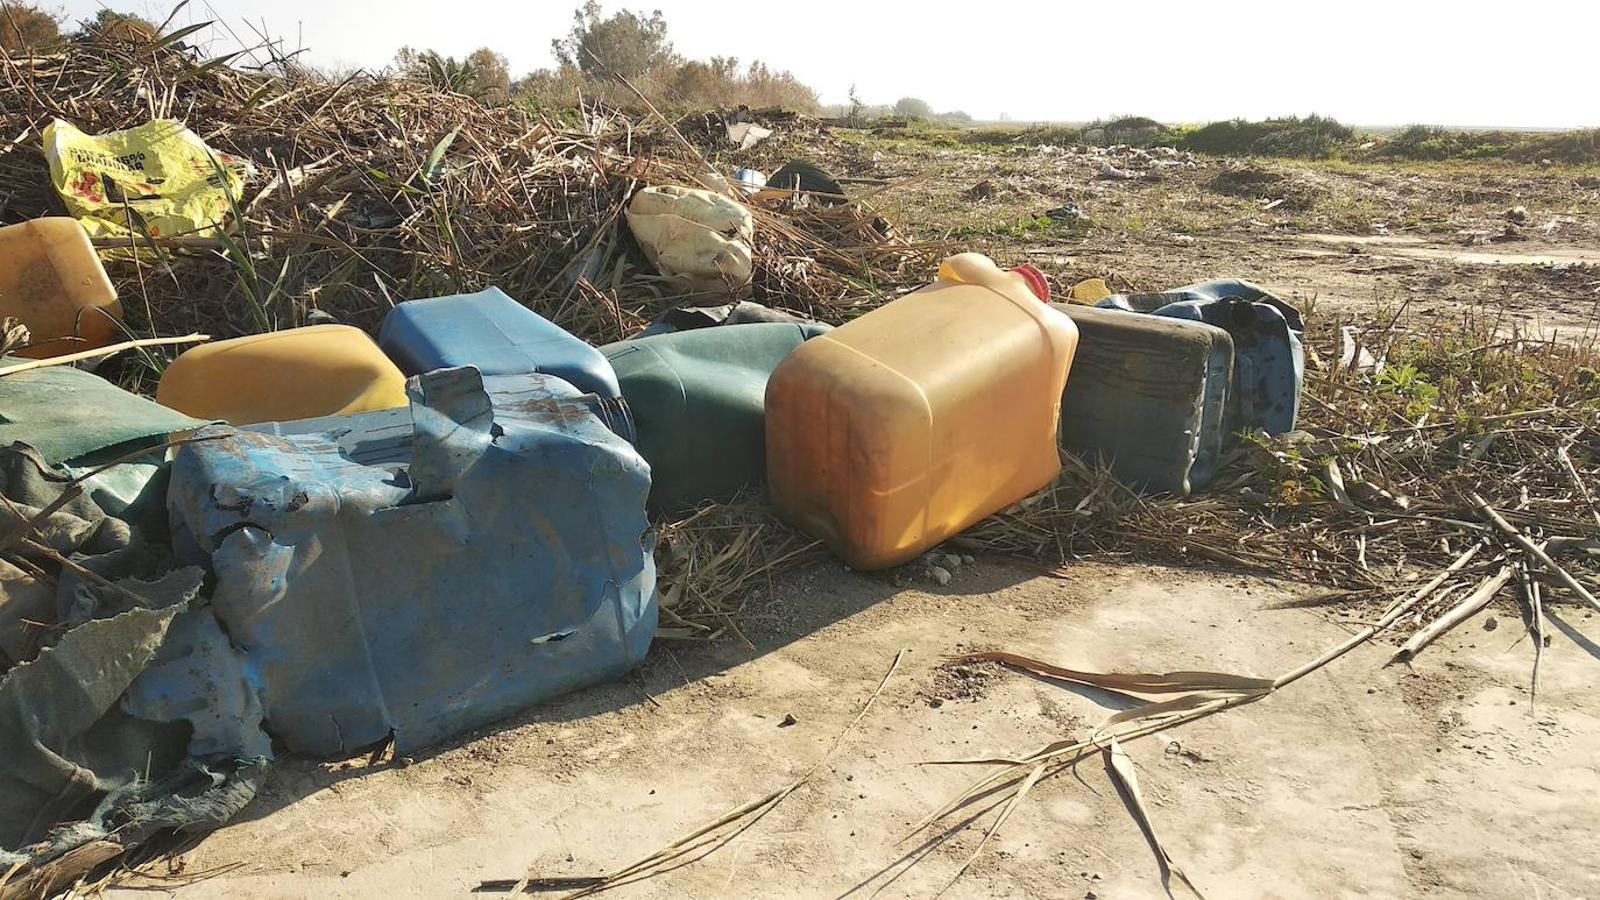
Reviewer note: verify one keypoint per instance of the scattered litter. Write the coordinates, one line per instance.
(298, 373)
(698, 404)
(1354, 355)
(1089, 291)
(695, 239)
(745, 135)
(877, 382)
(750, 181)
(345, 662)
(1113, 172)
(1269, 360)
(1148, 395)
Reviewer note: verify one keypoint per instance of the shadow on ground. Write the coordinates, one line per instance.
(769, 623)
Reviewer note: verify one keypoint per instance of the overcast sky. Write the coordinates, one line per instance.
(1397, 62)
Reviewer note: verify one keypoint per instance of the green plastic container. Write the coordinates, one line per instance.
(697, 401)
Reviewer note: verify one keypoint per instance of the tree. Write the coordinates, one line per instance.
(484, 74)
(108, 24)
(912, 108)
(23, 26)
(625, 43)
(492, 74)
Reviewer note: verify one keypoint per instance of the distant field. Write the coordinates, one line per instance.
(1311, 137)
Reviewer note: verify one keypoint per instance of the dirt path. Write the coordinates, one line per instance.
(1360, 781)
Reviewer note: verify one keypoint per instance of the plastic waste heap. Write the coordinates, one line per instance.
(909, 424)
(281, 376)
(51, 280)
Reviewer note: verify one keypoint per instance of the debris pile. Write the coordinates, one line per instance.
(372, 191)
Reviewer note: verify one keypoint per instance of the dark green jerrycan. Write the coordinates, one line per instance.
(1148, 395)
(697, 402)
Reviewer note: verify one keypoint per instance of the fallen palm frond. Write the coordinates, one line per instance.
(1168, 700)
(1120, 768)
(710, 836)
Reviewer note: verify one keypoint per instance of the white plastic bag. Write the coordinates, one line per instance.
(696, 239)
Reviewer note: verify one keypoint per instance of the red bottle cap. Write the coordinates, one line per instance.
(1036, 282)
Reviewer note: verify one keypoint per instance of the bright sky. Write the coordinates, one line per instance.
(1394, 62)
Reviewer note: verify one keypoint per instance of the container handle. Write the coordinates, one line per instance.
(452, 424)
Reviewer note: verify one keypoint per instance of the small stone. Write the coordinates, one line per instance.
(939, 574)
(788, 720)
(1517, 214)
(1491, 623)
(968, 560)
(936, 702)
(404, 762)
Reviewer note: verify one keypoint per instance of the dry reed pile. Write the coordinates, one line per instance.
(375, 190)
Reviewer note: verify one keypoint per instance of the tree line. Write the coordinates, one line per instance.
(591, 62)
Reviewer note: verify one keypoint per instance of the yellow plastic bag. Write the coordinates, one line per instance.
(160, 173)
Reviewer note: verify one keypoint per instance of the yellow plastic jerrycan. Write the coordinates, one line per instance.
(904, 427)
(51, 280)
(281, 376)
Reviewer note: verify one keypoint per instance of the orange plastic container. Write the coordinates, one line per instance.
(281, 376)
(911, 423)
(51, 280)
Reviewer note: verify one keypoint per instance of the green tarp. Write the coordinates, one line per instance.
(68, 414)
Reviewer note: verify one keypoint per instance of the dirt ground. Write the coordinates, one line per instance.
(1362, 781)
(1440, 780)
(1517, 242)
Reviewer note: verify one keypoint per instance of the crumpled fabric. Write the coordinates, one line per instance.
(124, 710)
(695, 238)
(77, 528)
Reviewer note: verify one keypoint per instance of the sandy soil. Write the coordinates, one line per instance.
(1361, 781)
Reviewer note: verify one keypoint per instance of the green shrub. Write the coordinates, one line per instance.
(1311, 137)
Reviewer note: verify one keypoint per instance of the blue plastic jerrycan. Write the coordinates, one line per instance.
(1268, 358)
(422, 572)
(495, 334)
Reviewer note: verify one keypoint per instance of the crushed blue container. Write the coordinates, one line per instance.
(422, 572)
(1268, 357)
(494, 333)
